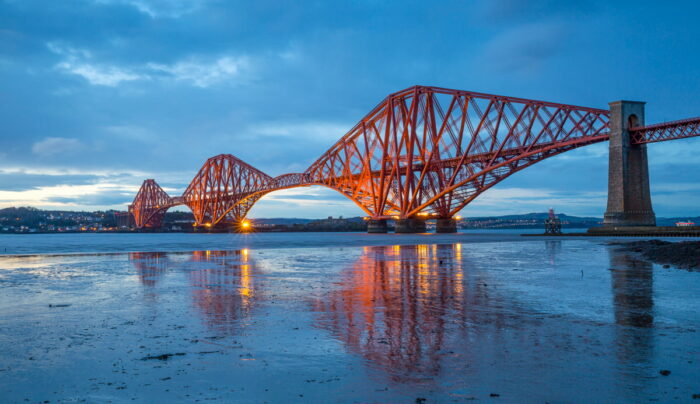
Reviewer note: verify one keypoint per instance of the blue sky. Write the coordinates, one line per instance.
(97, 95)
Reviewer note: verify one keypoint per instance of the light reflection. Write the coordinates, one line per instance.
(223, 287)
(633, 305)
(407, 309)
(222, 282)
(553, 248)
(150, 266)
(395, 305)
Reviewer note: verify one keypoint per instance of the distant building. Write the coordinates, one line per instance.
(685, 224)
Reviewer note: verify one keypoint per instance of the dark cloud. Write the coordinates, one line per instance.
(23, 181)
(104, 199)
(515, 11)
(525, 49)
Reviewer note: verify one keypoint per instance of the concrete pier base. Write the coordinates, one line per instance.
(446, 226)
(410, 225)
(629, 196)
(377, 226)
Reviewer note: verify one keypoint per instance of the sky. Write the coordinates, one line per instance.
(97, 95)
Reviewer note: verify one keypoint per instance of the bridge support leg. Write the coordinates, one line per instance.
(377, 226)
(629, 197)
(410, 225)
(446, 226)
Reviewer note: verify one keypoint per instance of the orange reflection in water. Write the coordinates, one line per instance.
(223, 287)
(150, 266)
(394, 304)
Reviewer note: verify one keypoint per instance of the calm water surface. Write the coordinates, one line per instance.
(343, 317)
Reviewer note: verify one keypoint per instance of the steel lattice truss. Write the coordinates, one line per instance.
(423, 151)
(429, 150)
(666, 131)
(150, 205)
(225, 188)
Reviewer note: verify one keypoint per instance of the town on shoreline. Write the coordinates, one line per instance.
(28, 220)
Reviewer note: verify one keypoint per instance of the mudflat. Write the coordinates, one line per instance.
(554, 320)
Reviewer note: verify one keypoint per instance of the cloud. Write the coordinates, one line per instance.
(116, 199)
(307, 202)
(525, 48)
(160, 8)
(508, 11)
(57, 145)
(316, 130)
(76, 61)
(315, 194)
(21, 181)
(109, 76)
(674, 187)
(199, 72)
(132, 133)
(102, 195)
(202, 74)
(501, 201)
(140, 82)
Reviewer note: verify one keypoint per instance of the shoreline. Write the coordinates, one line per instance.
(679, 254)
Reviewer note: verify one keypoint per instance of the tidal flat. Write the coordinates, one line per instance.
(343, 318)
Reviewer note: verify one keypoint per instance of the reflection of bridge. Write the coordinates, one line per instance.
(223, 282)
(417, 311)
(427, 152)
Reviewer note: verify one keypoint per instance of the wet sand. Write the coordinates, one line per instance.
(567, 320)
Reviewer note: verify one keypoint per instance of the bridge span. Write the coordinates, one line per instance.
(427, 152)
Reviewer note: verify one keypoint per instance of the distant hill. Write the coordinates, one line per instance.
(283, 220)
(12, 218)
(527, 220)
(537, 220)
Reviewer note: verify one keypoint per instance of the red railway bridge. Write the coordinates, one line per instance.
(427, 152)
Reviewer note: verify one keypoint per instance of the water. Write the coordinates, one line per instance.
(12, 244)
(343, 317)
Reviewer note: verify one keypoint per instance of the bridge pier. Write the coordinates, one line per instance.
(446, 226)
(410, 225)
(377, 226)
(629, 196)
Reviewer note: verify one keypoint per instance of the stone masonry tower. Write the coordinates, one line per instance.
(629, 197)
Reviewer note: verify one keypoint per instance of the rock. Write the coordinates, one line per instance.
(682, 254)
(163, 357)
